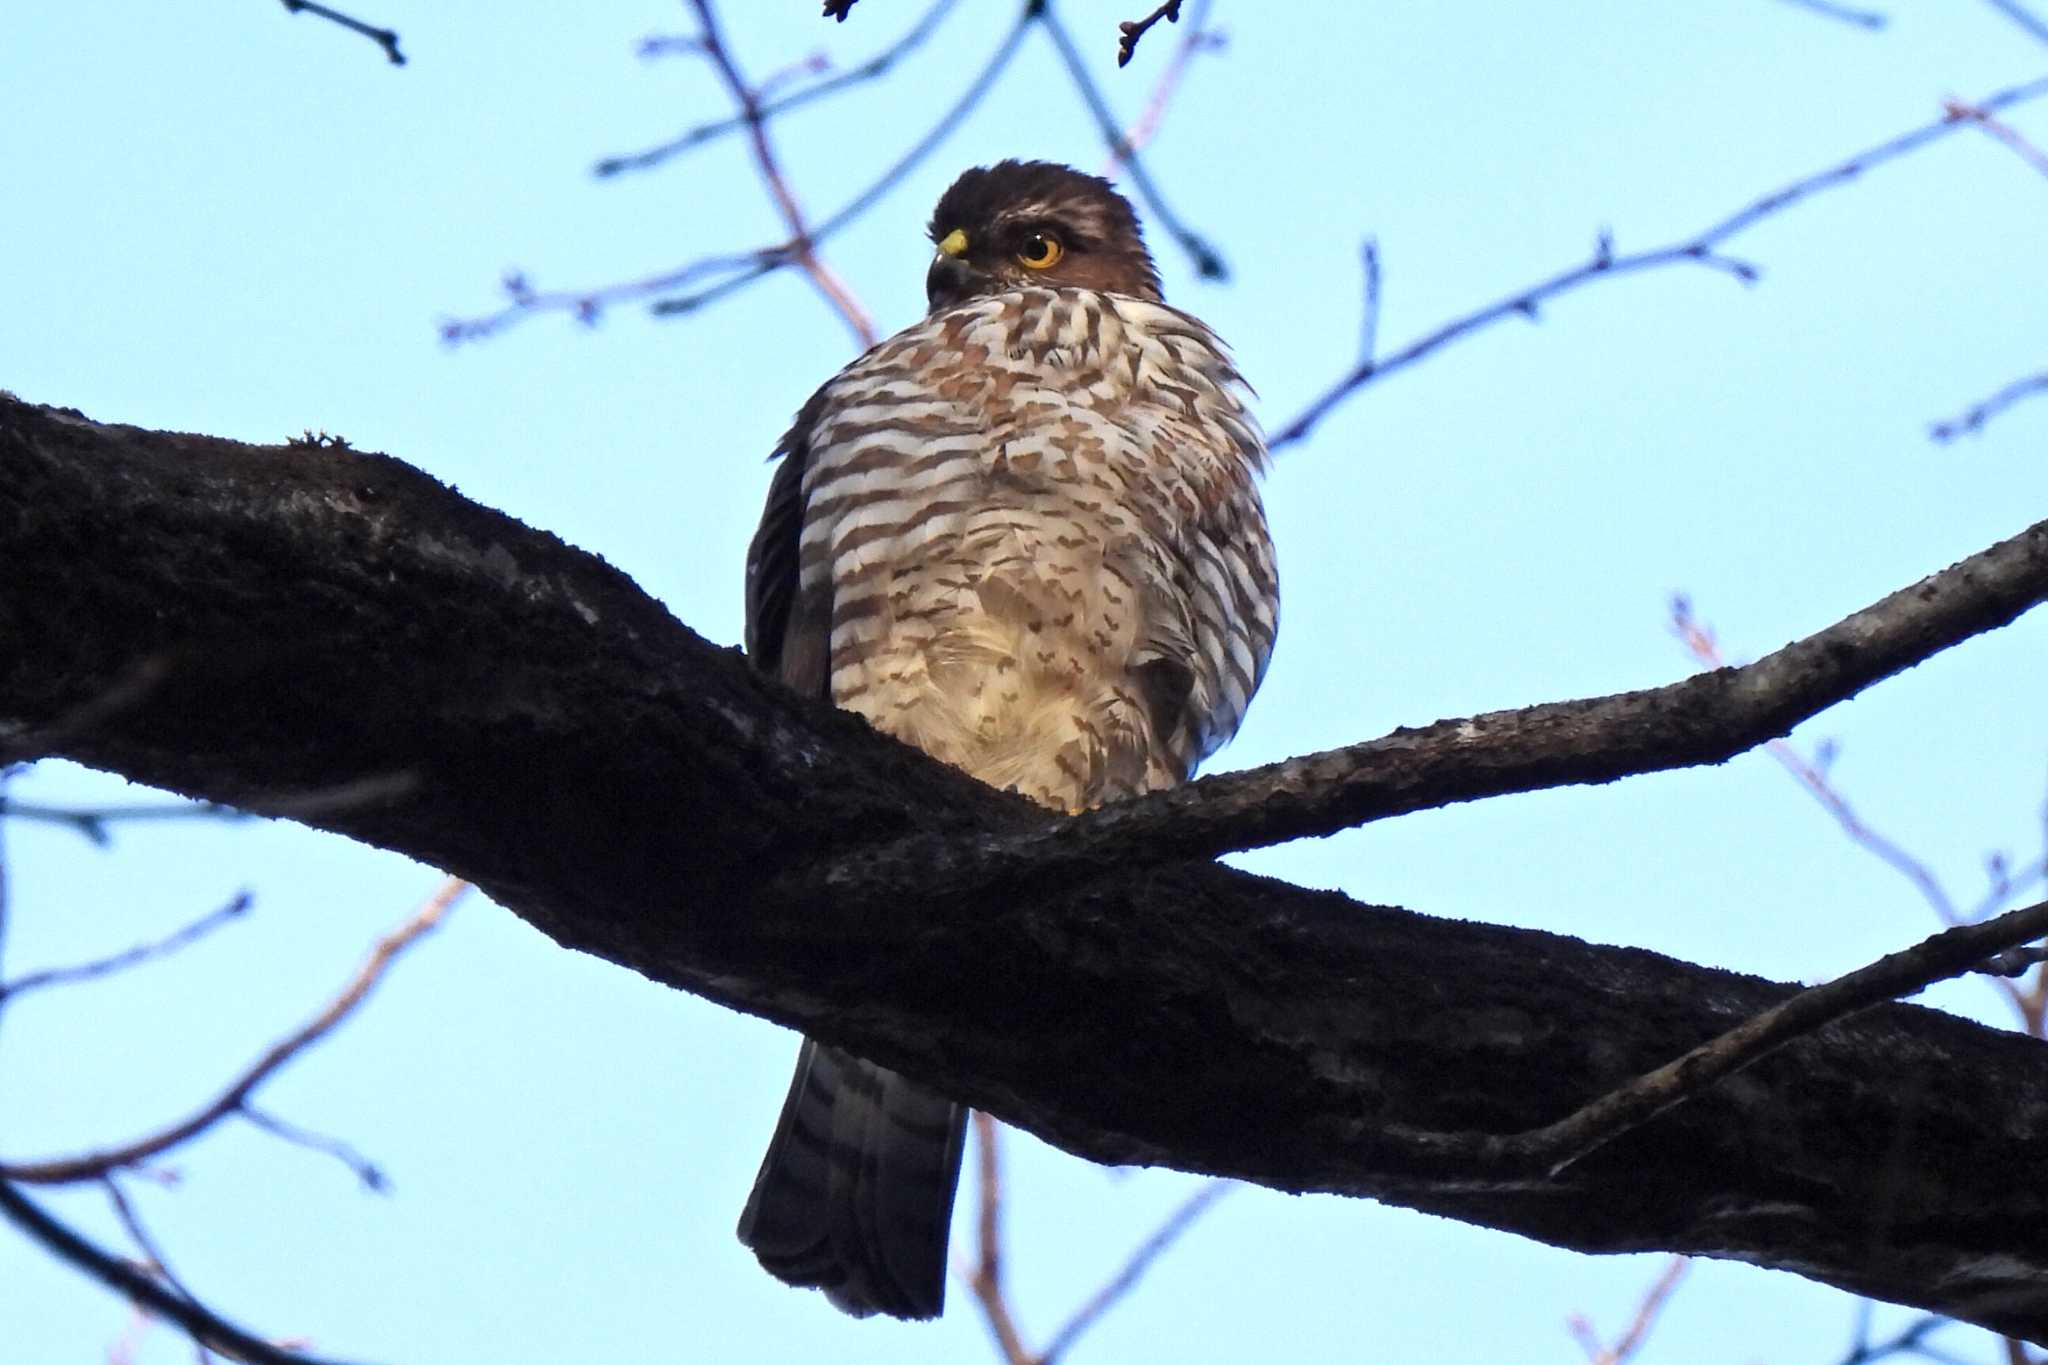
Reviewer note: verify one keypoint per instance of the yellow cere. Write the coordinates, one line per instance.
(953, 243)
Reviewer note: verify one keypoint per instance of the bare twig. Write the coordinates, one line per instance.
(1549, 1150)
(382, 37)
(1208, 264)
(1145, 127)
(1973, 419)
(94, 1165)
(200, 1323)
(153, 1257)
(1134, 29)
(588, 305)
(874, 67)
(1999, 131)
(733, 271)
(1813, 776)
(1700, 642)
(140, 1320)
(986, 1275)
(1369, 323)
(1699, 249)
(1625, 1346)
(132, 957)
(802, 252)
(91, 822)
(1861, 18)
(1912, 1340)
(367, 1171)
(1126, 1278)
(2020, 15)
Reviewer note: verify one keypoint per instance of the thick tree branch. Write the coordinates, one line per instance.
(308, 616)
(1707, 718)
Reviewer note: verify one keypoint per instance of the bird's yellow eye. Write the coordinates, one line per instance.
(1041, 251)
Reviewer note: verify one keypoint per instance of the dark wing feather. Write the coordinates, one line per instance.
(774, 579)
(855, 1194)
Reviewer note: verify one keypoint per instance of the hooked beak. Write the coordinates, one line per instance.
(950, 280)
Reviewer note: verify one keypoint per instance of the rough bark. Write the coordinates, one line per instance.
(333, 634)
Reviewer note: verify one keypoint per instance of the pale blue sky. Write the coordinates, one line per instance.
(220, 218)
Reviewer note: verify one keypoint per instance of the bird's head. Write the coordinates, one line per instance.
(1021, 223)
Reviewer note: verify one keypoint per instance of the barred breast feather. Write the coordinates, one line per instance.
(1023, 535)
(1027, 540)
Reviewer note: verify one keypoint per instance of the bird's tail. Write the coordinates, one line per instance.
(855, 1195)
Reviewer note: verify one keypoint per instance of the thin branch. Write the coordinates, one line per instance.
(1126, 1278)
(1861, 18)
(382, 37)
(775, 257)
(367, 1171)
(1699, 249)
(1910, 1340)
(1973, 418)
(93, 1165)
(91, 822)
(1700, 643)
(1369, 322)
(200, 1323)
(1699, 640)
(871, 69)
(1208, 264)
(153, 1257)
(802, 252)
(2020, 15)
(737, 269)
(131, 957)
(1549, 1150)
(1624, 1347)
(1999, 131)
(1704, 719)
(1133, 30)
(1196, 38)
(589, 305)
(986, 1275)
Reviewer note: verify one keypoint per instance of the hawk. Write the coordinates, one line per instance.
(1023, 535)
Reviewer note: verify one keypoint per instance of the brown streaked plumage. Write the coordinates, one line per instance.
(1023, 535)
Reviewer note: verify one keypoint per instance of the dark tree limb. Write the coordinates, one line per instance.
(1707, 718)
(309, 616)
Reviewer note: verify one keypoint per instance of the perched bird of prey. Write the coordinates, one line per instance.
(1023, 535)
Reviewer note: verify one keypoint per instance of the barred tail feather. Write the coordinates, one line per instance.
(855, 1196)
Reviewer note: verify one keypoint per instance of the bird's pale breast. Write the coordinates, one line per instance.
(1035, 520)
